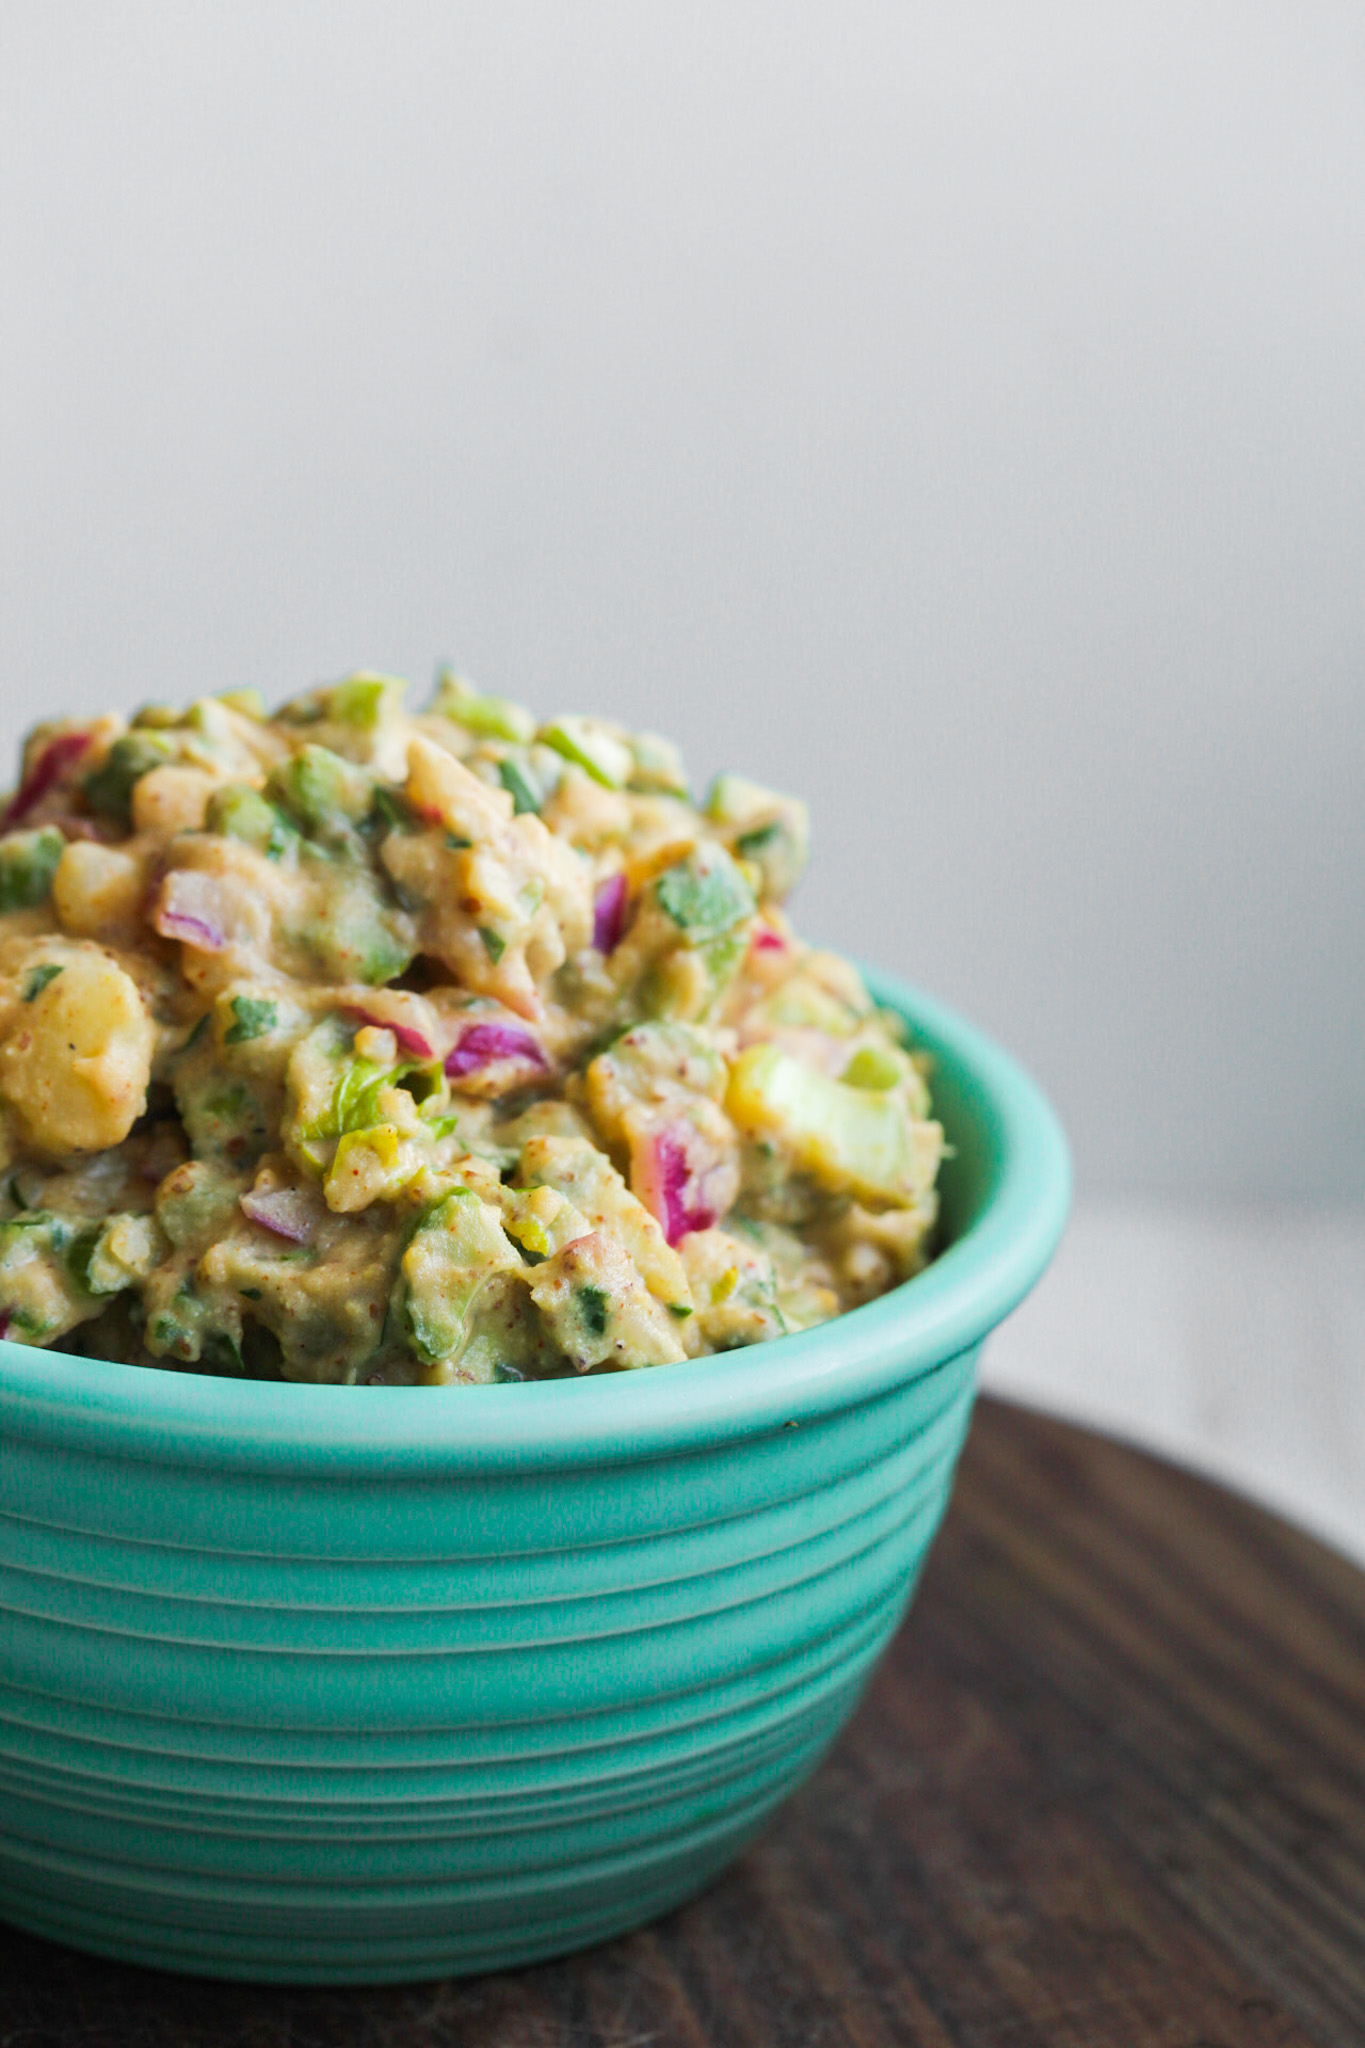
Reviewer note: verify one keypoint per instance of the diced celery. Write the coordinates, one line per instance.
(874, 1066)
(253, 1017)
(365, 942)
(28, 861)
(364, 700)
(326, 794)
(241, 812)
(109, 788)
(592, 746)
(705, 894)
(854, 1141)
(333, 1091)
(488, 718)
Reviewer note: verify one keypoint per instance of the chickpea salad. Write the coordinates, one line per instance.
(347, 1044)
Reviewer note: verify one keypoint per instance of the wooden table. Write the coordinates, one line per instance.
(1108, 1788)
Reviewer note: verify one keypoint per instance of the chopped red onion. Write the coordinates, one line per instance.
(408, 1038)
(481, 1044)
(766, 940)
(56, 757)
(609, 914)
(283, 1210)
(671, 1188)
(191, 909)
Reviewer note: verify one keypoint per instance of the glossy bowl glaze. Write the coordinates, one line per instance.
(346, 1684)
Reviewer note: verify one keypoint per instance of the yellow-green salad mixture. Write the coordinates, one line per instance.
(355, 1045)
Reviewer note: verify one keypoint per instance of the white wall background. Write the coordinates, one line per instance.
(956, 414)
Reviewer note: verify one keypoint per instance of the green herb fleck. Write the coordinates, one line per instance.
(592, 1306)
(494, 944)
(680, 1310)
(40, 978)
(79, 1254)
(443, 1126)
(524, 795)
(222, 1353)
(389, 810)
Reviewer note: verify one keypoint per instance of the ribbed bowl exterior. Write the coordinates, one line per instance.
(391, 1686)
(516, 1725)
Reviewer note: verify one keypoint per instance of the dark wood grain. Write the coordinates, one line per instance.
(1108, 1788)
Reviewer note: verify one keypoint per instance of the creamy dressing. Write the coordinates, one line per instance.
(347, 1044)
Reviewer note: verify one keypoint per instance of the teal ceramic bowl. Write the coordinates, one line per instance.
(323, 1684)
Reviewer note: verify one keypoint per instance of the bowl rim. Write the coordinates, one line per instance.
(160, 1417)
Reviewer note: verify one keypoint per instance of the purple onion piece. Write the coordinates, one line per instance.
(609, 914)
(671, 1168)
(282, 1210)
(190, 910)
(55, 758)
(193, 931)
(680, 1193)
(409, 1039)
(482, 1044)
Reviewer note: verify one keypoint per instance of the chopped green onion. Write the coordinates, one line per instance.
(41, 977)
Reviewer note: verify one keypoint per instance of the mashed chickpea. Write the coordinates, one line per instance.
(355, 1045)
